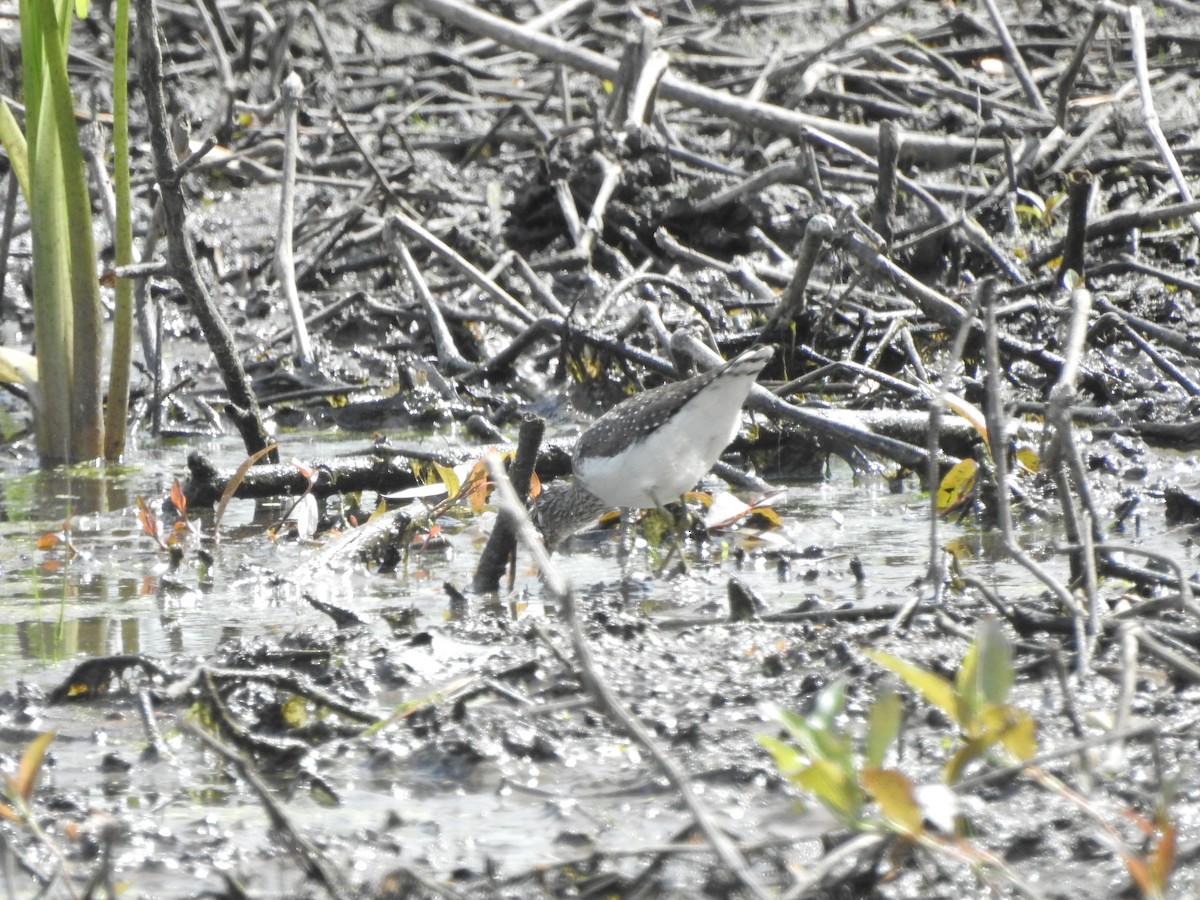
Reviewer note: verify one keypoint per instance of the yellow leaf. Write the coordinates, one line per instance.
(1029, 215)
(1028, 459)
(959, 549)
(380, 508)
(17, 367)
(295, 711)
(768, 517)
(31, 763)
(896, 798)
(1020, 737)
(957, 485)
(448, 477)
(968, 752)
(1162, 859)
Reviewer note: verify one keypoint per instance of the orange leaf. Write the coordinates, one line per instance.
(1162, 859)
(476, 487)
(50, 540)
(1139, 872)
(149, 521)
(178, 500)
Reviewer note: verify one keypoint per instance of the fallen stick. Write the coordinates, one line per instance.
(933, 151)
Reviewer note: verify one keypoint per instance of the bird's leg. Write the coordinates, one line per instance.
(677, 532)
(628, 532)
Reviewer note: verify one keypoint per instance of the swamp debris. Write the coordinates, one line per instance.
(929, 212)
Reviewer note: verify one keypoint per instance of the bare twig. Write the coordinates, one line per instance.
(285, 264)
(243, 406)
(933, 151)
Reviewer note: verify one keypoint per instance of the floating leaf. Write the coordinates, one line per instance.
(724, 510)
(957, 486)
(50, 540)
(1027, 458)
(418, 492)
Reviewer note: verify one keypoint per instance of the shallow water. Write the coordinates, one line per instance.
(116, 594)
(418, 801)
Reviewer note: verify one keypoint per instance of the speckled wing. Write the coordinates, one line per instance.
(633, 419)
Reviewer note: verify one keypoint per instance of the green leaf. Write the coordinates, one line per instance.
(986, 674)
(829, 784)
(13, 141)
(883, 724)
(830, 702)
(995, 662)
(788, 760)
(967, 685)
(820, 741)
(961, 758)
(87, 429)
(933, 688)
